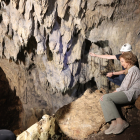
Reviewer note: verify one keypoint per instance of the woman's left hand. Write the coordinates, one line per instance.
(115, 91)
(110, 74)
(101, 99)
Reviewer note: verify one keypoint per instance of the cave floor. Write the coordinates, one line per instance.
(131, 133)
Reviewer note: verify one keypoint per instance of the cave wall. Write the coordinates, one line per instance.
(45, 45)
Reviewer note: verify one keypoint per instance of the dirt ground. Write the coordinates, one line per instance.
(131, 133)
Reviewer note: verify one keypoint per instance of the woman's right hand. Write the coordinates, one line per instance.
(92, 54)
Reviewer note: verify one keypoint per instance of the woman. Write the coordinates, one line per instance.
(127, 93)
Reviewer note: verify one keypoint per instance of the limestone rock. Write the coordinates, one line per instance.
(41, 130)
(62, 6)
(81, 117)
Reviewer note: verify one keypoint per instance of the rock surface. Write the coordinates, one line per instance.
(137, 103)
(45, 45)
(42, 130)
(83, 116)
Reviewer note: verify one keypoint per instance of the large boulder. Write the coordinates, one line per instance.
(83, 116)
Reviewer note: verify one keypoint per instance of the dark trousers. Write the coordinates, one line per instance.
(7, 135)
(117, 79)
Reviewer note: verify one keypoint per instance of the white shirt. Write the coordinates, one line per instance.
(131, 83)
